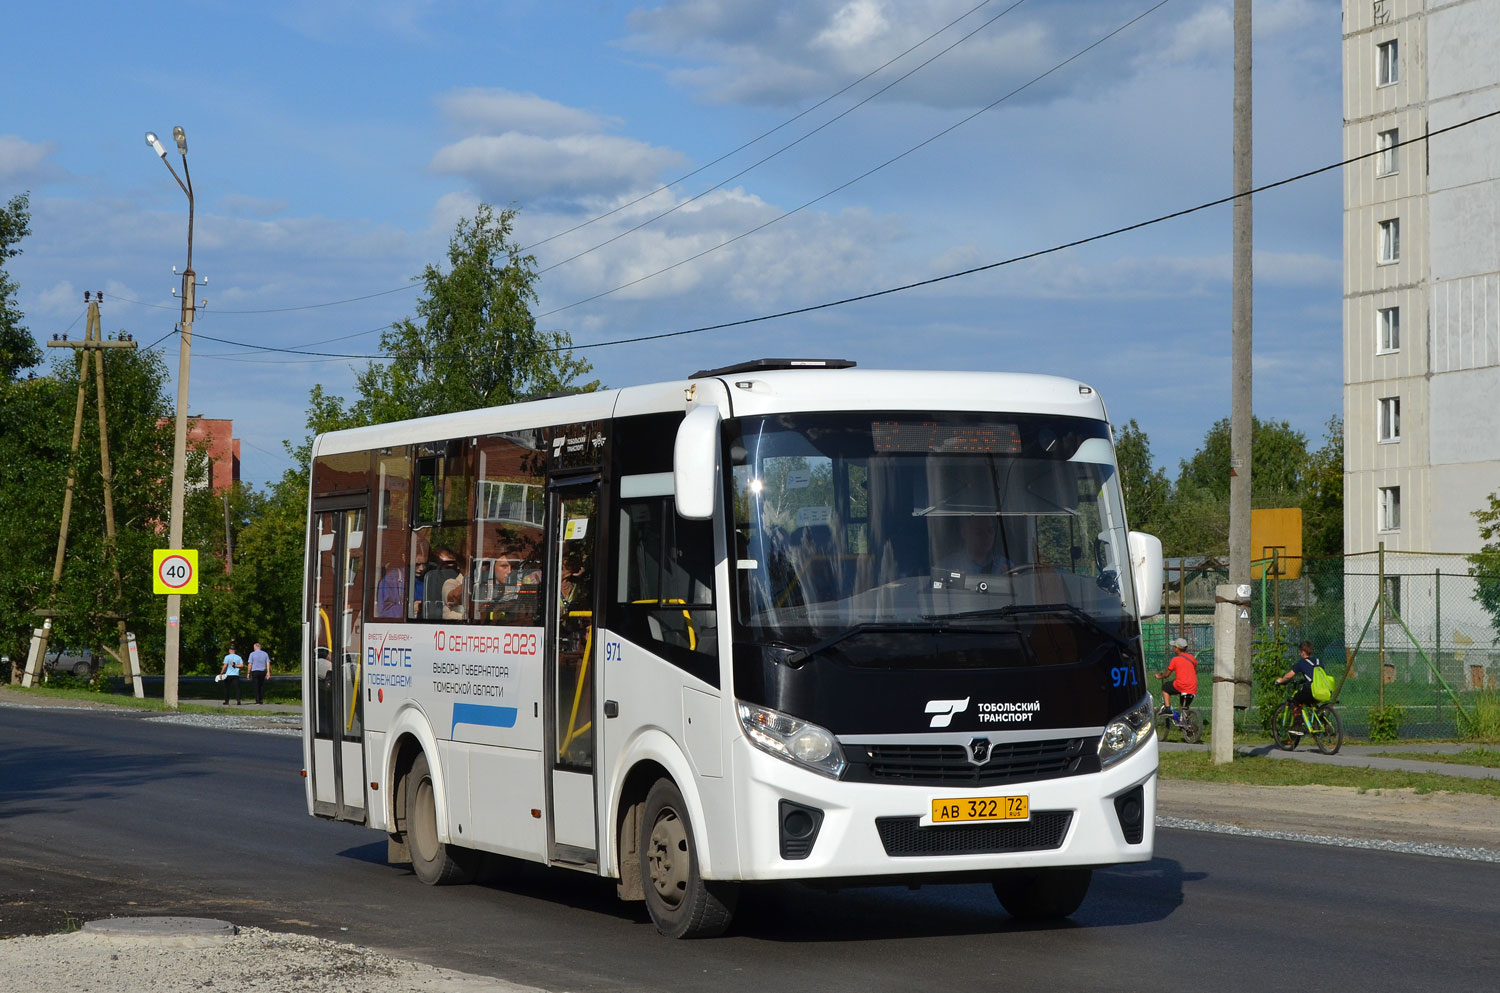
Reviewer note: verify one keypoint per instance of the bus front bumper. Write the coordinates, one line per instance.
(884, 829)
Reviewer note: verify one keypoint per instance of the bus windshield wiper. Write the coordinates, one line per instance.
(1017, 609)
(869, 627)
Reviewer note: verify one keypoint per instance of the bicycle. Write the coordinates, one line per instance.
(1184, 719)
(1291, 722)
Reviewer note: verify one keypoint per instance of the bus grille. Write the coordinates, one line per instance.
(903, 836)
(949, 765)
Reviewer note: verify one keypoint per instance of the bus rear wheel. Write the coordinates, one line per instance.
(1042, 894)
(435, 863)
(681, 902)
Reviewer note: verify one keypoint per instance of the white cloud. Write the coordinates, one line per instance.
(495, 111)
(1206, 33)
(854, 25)
(23, 161)
(58, 299)
(516, 167)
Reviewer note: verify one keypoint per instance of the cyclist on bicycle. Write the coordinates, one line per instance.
(1180, 677)
(1302, 670)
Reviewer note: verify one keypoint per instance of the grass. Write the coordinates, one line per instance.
(1487, 757)
(1255, 770)
(110, 699)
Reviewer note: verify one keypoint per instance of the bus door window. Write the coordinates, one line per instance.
(573, 692)
(325, 609)
(352, 613)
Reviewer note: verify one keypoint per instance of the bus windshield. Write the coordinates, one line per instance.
(915, 521)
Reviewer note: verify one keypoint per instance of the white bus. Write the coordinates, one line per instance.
(785, 620)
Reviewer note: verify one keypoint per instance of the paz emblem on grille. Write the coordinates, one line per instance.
(979, 751)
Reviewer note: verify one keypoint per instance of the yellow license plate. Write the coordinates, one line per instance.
(981, 808)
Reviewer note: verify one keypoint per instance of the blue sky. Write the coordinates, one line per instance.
(334, 144)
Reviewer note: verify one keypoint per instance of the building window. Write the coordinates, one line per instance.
(1390, 508)
(1386, 141)
(1388, 67)
(1392, 599)
(1388, 329)
(1390, 241)
(1390, 418)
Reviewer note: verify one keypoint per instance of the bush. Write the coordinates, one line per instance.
(1270, 652)
(1385, 722)
(1480, 718)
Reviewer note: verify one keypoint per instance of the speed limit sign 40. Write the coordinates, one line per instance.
(174, 570)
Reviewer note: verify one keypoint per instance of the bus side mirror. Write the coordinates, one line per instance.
(1146, 571)
(695, 462)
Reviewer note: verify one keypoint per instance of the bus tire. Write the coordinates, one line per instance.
(681, 902)
(1042, 894)
(434, 862)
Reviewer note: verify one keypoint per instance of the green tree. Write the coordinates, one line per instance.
(1278, 463)
(17, 348)
(1146, 489)
(1199, 517)
(474, 342)
(1484, 565)
(36, 420)
(1323, 495)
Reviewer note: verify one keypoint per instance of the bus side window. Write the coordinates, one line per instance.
(664, 585)
(392, 552)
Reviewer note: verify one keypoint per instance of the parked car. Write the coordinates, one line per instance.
(81, 662)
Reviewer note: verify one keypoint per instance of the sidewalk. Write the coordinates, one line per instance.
(1366, 756)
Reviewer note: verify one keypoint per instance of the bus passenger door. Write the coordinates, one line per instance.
(571, 669)
(335, 682)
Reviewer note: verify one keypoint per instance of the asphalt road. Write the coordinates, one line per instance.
(103, 814)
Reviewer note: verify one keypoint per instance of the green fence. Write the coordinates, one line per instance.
(1407, 634)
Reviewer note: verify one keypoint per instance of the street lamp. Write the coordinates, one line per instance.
(179, 438)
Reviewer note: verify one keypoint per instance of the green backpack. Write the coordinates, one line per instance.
(1322, 684)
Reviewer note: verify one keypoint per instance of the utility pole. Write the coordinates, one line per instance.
(1236, 669)
(93, 346)
(170, 666)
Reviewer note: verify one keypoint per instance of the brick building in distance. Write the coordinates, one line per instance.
(216, 437)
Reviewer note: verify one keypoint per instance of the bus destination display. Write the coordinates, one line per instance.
(930, 436)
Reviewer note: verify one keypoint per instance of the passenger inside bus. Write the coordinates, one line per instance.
(438, 582)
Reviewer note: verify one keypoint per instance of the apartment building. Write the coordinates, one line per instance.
(1421, 272)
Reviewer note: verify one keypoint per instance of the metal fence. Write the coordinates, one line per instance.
(1408, 635)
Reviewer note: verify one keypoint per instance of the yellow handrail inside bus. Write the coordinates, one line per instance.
(354, 698)
(328, 627)
(575, 732)
(692, 634)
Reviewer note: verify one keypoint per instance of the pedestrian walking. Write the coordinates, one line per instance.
(230, 670)
(260, 671)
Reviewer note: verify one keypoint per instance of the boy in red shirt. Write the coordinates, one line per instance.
(1181, 676)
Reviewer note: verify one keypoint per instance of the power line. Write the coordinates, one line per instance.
(763, 135)
(864, 175)
(680, 179)
(1037, 254)
(281, 310)
(789, 145)
(952, 275)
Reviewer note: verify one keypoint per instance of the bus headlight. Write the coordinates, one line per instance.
(788, 738)
(1126, 733)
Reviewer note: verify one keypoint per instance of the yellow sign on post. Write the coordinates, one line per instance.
(1276, 539)
(174, 570)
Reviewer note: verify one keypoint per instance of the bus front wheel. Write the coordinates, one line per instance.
(681, 902)
(435, 863)
(1042, 894)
